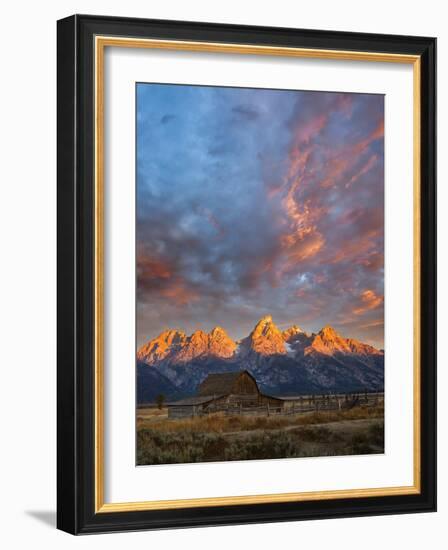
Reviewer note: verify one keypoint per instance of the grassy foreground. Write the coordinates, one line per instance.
(216, 437)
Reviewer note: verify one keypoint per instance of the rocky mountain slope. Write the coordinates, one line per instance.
(151, 383)
(175, 347)
(284, 363)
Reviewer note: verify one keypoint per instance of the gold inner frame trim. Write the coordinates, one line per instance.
(101, 42)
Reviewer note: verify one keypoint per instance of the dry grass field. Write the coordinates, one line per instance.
(218, 437)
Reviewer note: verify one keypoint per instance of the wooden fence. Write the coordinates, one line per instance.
(304, 404)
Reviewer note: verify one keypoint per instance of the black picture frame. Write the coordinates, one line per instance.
(76, 264)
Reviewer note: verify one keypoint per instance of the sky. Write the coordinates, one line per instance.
(253, 202)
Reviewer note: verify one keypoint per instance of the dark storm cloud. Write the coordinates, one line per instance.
(246, 112)
(255, 201)
(166, 118)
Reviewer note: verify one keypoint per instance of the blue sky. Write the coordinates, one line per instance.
(254, 201)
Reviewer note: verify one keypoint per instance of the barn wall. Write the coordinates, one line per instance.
(235, 401)
(184, 411)
(245, 399)
(245, 384)
(271, 401)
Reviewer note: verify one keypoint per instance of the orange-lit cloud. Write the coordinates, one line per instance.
(367, 166)
(159, 277)
(374, 324)
(306, 211)
(355, 249)
(369, 300)
(307, 131)
(150, 268)
(178, 293)
(275, 207)
(373, 261)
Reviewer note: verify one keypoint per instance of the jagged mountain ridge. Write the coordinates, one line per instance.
(288, 362)
(175, 347)
(265, 339)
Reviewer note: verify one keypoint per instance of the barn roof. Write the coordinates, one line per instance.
(195, 400)
(276, 398)
(221, 383)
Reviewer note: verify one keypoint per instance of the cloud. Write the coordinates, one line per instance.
(162, 280)
(369, 300)
(149, 269)
(167, 118)
(251, 201)
(246, 111)
(178, 293)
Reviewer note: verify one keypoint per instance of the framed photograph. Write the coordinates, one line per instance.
(246, 274)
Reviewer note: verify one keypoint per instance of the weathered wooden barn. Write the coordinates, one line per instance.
(230, 392)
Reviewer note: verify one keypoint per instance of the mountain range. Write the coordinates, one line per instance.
(289, 362)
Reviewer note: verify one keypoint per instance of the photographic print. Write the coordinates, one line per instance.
(260, 273)
(226, 233)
